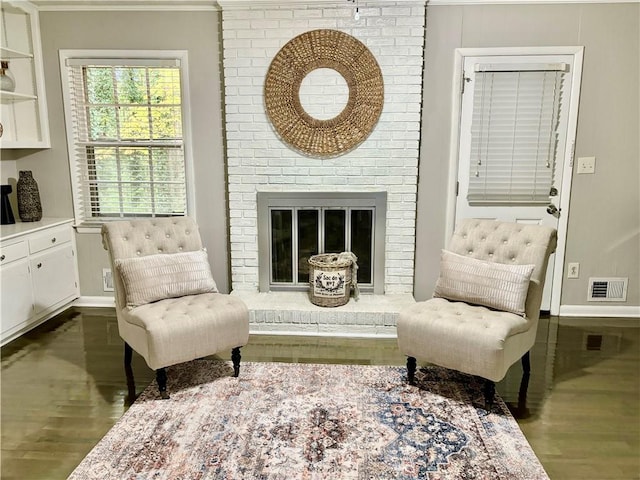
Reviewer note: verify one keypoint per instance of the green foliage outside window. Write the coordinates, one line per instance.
(134, 149)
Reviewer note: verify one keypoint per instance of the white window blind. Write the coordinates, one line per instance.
(128, 148)
(514, 133)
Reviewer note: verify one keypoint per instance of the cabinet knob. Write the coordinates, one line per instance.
(53, 240)
(2, 257)
(39, 265)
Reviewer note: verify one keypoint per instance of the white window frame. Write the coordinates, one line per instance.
(76, 185)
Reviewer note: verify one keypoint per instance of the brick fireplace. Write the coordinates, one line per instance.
(386, 162)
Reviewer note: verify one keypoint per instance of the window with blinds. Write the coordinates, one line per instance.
(514, 133)
(126, 139)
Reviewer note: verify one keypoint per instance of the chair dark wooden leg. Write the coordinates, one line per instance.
(128, 372)
(521, 411)
(526, 363)
(235, 358)
(489, 393)
(161, 378)
(128, 354)
(411, 370)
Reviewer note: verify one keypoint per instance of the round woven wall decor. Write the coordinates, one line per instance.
(351, 59)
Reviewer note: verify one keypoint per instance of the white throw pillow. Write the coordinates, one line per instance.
(155, 277)
(495, 285)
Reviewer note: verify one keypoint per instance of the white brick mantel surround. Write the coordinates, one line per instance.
(258, 160)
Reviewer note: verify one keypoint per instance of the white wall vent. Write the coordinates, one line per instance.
(107, 280)
(607, 289)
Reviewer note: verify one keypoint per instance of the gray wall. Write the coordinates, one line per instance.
(604, 218)
(196, 32)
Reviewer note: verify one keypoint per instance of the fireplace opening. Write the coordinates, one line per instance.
(293, 226)
(318, 230)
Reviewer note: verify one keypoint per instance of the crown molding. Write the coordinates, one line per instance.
(202, 5)
(217, 5)
(126, 5)
(253, 4)
(522, 2)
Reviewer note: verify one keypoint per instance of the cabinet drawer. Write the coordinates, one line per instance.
(50, 238)
(15, 251)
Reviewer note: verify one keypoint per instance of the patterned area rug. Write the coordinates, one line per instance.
(302, 421)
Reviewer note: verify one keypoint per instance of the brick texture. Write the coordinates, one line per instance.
(386, 161)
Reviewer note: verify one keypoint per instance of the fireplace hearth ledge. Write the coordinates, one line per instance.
(292, 313)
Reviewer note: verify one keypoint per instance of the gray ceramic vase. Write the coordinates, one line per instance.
(29, 206)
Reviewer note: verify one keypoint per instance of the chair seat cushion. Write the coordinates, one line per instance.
(194, 326)
(469, 338)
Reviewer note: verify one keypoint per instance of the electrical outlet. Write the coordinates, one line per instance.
(587, 165)
(107, 280)
(573, 270)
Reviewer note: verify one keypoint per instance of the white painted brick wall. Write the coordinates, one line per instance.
(386, 161)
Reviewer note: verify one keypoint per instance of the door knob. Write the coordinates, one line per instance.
(553, 210)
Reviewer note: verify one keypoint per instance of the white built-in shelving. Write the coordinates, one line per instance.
(23, 112)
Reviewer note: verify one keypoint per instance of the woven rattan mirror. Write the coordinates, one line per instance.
(351, 59)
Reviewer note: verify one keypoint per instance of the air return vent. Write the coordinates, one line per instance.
(607, 289)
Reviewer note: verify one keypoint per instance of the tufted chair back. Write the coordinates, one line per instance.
(509, 243)
(148, 237)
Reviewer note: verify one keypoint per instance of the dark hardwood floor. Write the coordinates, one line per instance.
(63, 387)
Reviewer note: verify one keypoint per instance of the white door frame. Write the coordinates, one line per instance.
(567, 163)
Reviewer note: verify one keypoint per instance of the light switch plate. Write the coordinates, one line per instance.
(586, 165)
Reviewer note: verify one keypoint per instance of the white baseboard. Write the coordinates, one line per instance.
(612, 311)
(95, 301)
(259, 329)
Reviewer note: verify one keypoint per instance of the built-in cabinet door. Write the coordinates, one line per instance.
(17, 301)
(54, 278)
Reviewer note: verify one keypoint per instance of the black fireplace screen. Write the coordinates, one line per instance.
(299, 233)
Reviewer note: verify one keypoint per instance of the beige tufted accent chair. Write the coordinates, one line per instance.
(475, 339)
(172, 330)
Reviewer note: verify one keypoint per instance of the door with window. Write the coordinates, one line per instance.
(517, 128)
